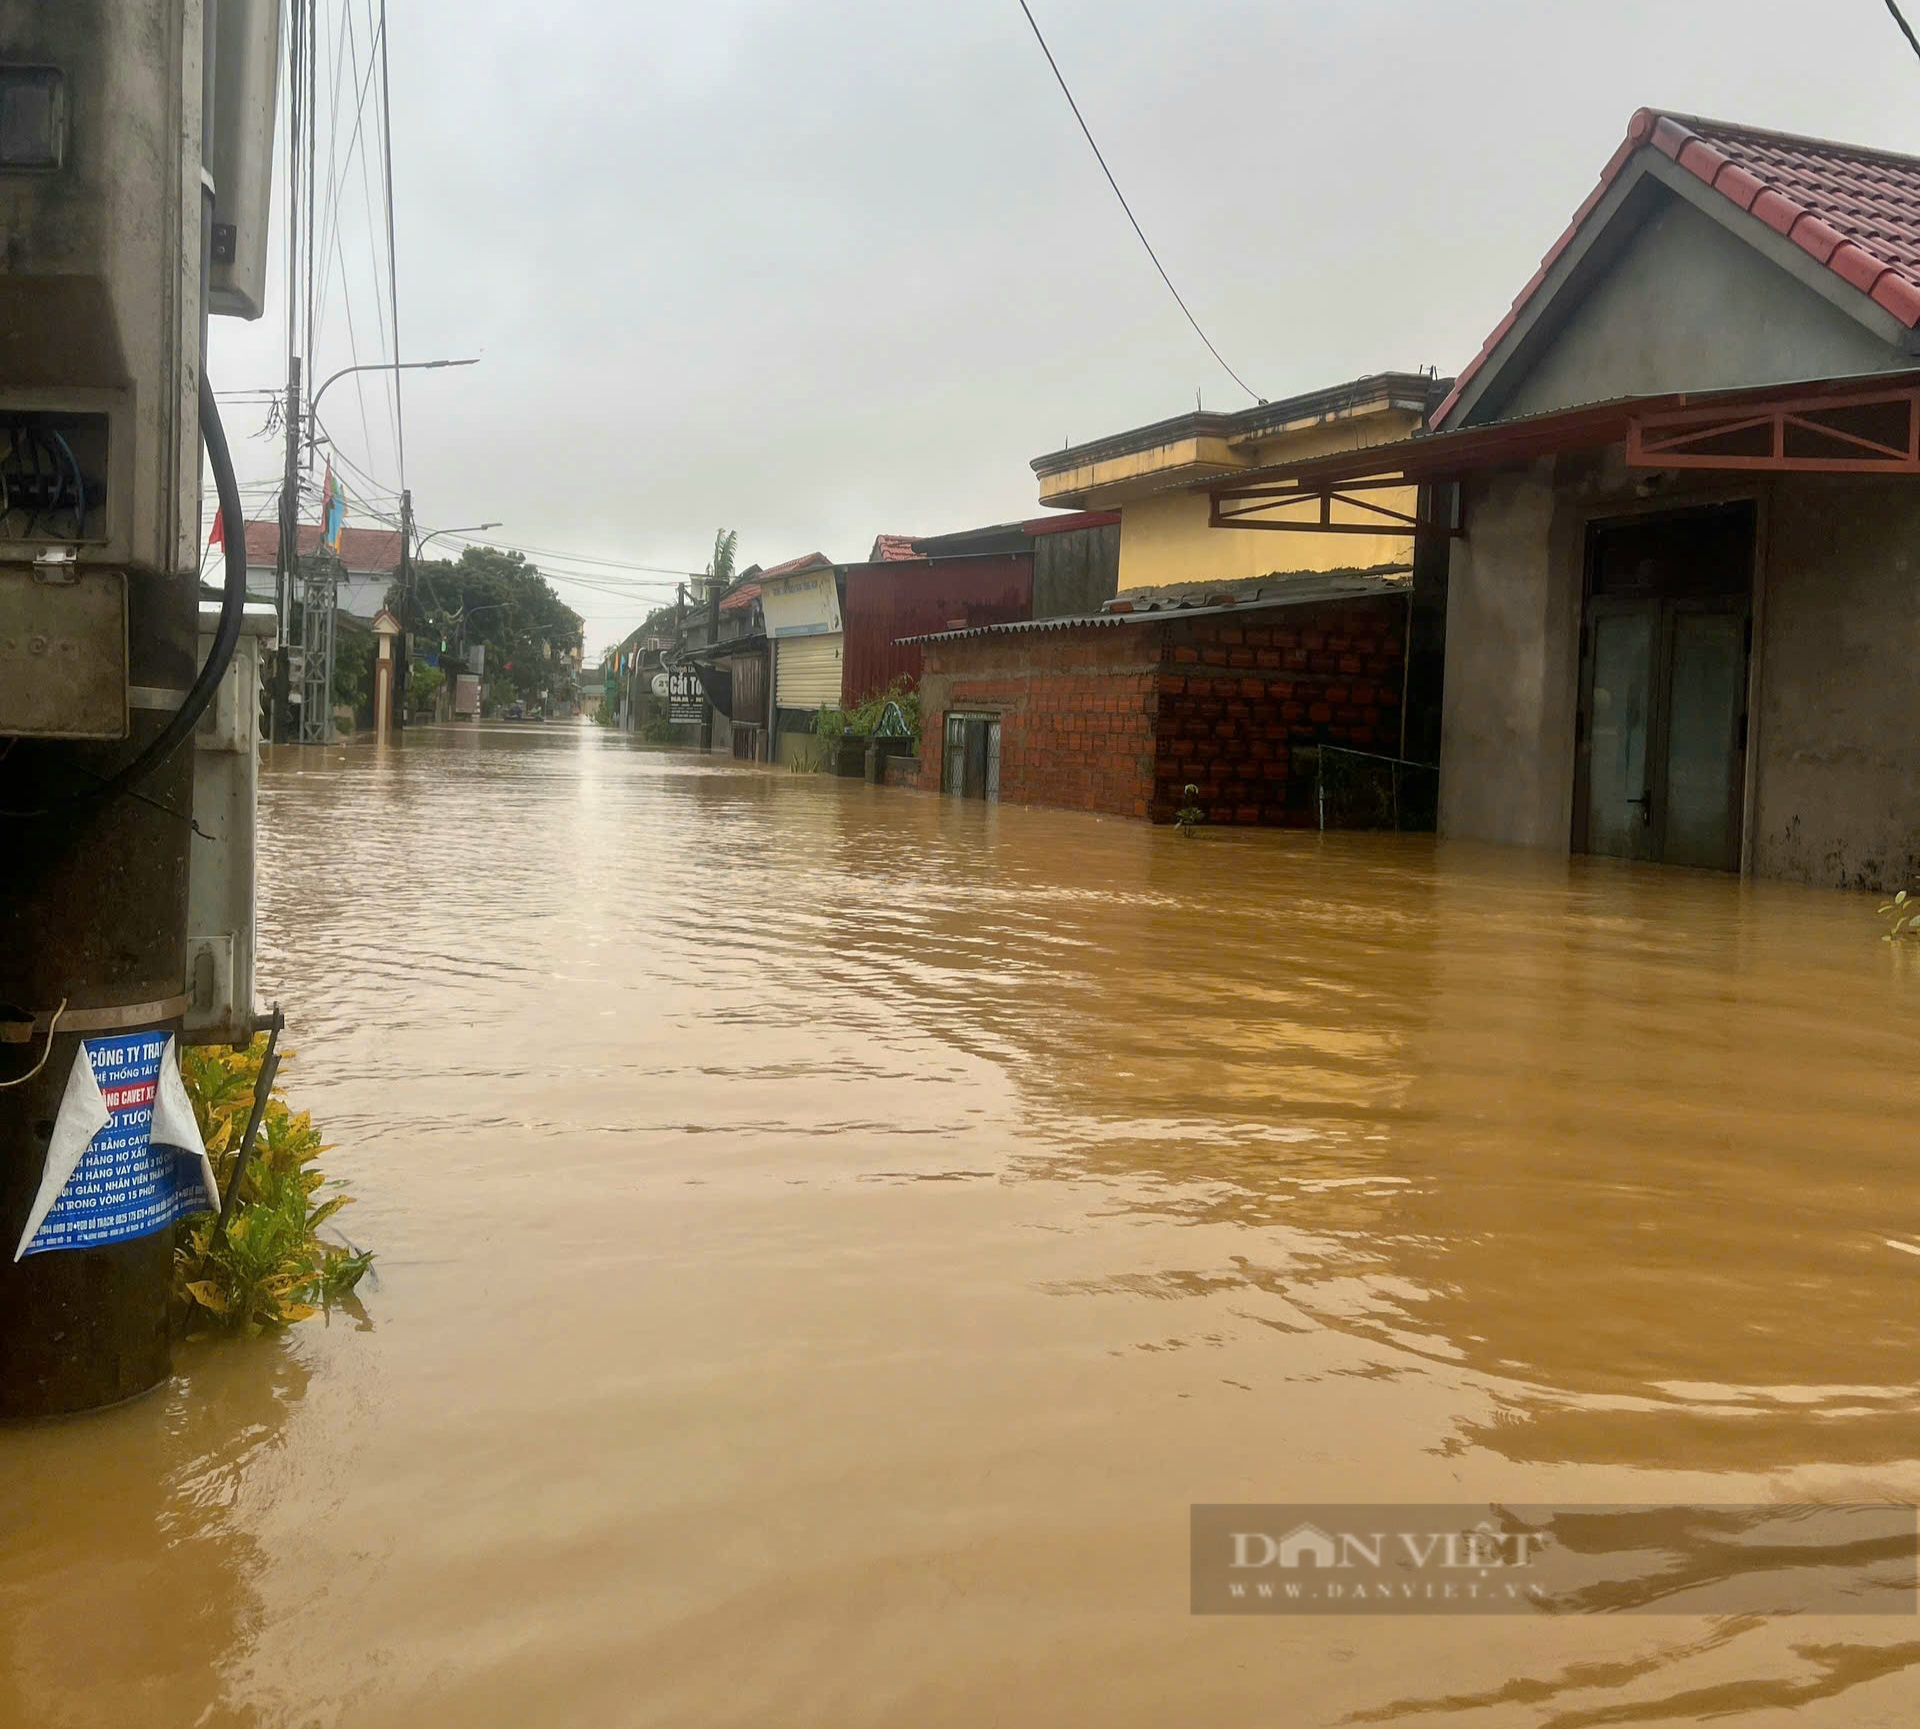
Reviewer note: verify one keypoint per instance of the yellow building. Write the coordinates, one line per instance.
(1156, 477)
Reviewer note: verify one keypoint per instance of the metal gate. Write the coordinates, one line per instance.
(319, 605)
(970, 765)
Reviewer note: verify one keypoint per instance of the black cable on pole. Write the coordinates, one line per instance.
(1087, 131)
(226, 635)
(393, 269)
(1906, 29)
(311, 153)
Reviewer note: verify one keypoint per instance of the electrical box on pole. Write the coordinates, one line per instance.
(107, 121)
(245, 85)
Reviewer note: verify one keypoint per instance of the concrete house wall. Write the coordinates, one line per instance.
(1077, 572)
(1165, 538)
(1685, 303)
(1837, 718)
(1833, 739)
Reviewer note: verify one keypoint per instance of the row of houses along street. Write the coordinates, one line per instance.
(1637, 582)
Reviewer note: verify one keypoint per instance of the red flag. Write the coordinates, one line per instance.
(219, 535)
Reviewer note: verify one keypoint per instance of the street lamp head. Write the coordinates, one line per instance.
(313, 402)
(475, 528)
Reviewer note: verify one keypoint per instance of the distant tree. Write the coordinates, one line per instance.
(720, 566)
(353, 656)
(423, 685)
(499, 599)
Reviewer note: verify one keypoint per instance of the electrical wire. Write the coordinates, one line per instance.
(1906, 29)
(340, 456)
(575, 557)
(1087, 131)
(375, 42)
(393, 269)
(45, 1052)
(312, 159)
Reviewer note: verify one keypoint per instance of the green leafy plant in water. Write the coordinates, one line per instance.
(864, 718)
(1904, 911)
(1190, 815)
(272, 1267)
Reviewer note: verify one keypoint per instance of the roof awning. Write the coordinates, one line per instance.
(1304, 588)
(1858, 425)
(731, 648)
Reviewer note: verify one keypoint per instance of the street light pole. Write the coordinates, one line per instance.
(313, 402)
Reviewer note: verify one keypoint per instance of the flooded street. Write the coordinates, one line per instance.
(828, 1237)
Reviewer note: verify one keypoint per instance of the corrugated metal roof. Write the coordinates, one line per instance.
(1301, 588)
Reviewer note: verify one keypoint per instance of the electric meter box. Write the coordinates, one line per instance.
(239, 160)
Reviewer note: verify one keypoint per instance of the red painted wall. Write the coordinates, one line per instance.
(884, 602)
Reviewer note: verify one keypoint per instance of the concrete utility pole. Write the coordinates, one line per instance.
(713, 636)
(287, 559)
(116, 243)
(403, 649)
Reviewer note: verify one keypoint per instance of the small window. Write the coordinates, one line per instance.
(33, 118)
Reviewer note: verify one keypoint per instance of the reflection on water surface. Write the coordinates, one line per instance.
(829, 1236)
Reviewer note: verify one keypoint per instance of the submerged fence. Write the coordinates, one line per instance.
(1358, 789)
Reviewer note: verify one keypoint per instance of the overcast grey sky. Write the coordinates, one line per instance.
(818, 271)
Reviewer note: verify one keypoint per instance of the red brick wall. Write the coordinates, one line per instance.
(1119, 718)
(1075, 706)
(1238, 697)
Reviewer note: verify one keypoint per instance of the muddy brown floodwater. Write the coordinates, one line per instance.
(829, 1237)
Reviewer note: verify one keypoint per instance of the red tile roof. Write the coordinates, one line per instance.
(805, 562)
(1855, 210)
(363, 549)
(743, 596)
(892, 549)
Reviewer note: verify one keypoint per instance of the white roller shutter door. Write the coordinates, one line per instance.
(808, 674)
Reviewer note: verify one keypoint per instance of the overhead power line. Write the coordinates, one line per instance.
(574, 557)
(1906, 29)
(1087, 131)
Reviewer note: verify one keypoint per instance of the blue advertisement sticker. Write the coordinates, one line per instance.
(124, 1185)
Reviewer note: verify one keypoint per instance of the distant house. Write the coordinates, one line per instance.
(800, 603)
(1237, 664)
(371, 557)
(1680, 591)
(1231, 692)
(1147, 474)
(996, 575)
